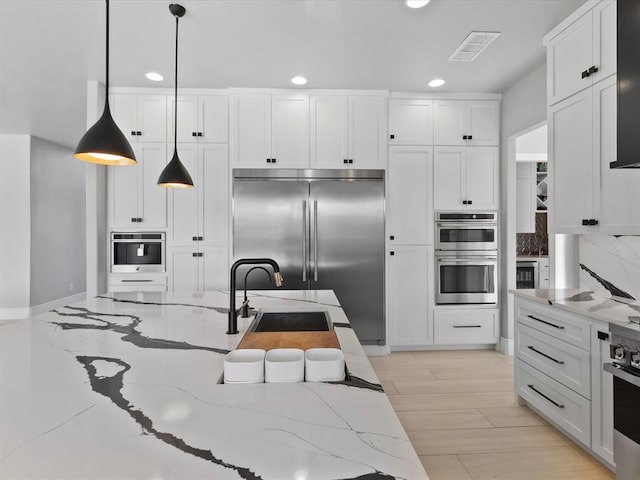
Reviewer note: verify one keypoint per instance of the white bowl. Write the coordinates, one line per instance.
(324, 365)
(284, 365)
(244, 366)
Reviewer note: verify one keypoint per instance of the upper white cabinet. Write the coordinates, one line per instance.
(465, 178)
(581, 51)
(526, 197)
(410, 121)
(142, 118)
(459, 122)
(348, 131)
(203, 118)
(135, 200)
(409, 200)
(270, 130)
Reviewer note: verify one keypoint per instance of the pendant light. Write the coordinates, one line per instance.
(104, 143)
(175, 175)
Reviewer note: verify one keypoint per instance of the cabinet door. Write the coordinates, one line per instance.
(367, 132)
(571, 150)
(568, 55)
(601, 396)
(525, 197)
(123, 193)
(187, 118)
(214, 266)
(449, 118)
(251, 130)
(152, 200)
(410, 122)
(214, 202)
(482, 123)
(409, 200)
(481, 177)
(184, 207)
(213, 119)
(152, 118)
(410, 304)
(605, 35)
(124, 109)
(290, 131)
(182, 269)
(448, 164)
(328, 131)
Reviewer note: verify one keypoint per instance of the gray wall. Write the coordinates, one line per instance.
(58, 223)
(524, 105)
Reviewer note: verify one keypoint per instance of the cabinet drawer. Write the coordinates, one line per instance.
(567, 364)
(560, 325)
(454, 327)
(138, 283)
(563, 407)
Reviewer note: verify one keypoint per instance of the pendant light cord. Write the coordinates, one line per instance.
(106, 99)
(175, 104)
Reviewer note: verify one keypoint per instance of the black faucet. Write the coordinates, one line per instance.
(233, 313)
(244, 309)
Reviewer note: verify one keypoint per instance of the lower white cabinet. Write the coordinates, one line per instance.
(410, 295)
(201, 269)
(137, 282)
(464, 326)
(601, 395)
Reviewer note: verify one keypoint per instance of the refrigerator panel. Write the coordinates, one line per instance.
(269, 221)
(347, 250)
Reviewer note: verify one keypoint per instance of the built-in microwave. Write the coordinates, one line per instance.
(466, 231)
(466, 278)
(137, 252)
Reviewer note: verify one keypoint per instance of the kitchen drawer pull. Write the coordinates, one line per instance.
(559, 327)
(559, 405)
(136, 281)
(467, 326)
(534, 349)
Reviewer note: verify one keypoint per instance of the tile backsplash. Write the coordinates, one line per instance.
(534, 243)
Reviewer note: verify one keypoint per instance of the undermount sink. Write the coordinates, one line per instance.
(291, 321)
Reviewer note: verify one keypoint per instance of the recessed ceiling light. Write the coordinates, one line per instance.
(436, 82)
(155, 77)
(416, 3)
(299, 80)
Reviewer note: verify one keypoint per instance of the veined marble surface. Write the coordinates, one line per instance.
(125, 386)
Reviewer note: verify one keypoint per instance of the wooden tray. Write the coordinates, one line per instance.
(302, 340)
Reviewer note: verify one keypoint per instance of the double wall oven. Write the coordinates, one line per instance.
(466, 258)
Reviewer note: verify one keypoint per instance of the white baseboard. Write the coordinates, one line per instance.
(426, 348)
(16, 313)
(45, 307)
(376, 350)
(506, 346)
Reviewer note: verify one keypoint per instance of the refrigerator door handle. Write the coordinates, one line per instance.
(304, 241)
(315, 240)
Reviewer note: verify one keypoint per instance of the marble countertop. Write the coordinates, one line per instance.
(609, 309)
(126, 386)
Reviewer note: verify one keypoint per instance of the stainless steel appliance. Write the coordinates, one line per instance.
(469, 277)
(625, 352)
(527, 274)
(466, 231)
(325, 228)
(137, 252)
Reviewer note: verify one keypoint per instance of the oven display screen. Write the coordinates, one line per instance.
(467, 235)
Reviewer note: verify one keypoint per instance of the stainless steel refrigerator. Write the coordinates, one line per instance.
(325, 228)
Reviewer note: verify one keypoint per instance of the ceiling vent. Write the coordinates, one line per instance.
(472, 46)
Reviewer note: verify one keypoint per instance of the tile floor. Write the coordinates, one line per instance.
(459, 411)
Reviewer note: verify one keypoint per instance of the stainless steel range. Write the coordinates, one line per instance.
(625, 352)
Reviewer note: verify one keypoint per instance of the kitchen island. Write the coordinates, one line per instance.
(127, 386)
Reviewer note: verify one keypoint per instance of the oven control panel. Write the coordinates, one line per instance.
(625, 352)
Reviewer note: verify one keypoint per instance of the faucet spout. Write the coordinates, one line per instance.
(232, 327)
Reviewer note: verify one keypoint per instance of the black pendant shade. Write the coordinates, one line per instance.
(175, 174)
(104, 143)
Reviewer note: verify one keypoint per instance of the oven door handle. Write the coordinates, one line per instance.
(468, 261)
(623, 373)
(467, 226)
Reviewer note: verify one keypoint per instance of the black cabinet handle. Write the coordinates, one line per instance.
(138, 132)
(194, 134)
(603, 335)
(464, 202)
(268, 160)
(592, 69)
(351, 160)
(134, 220)
(139, 220)
(534, 349)
(133, 133)
(467, 326)
(199, 134)
(585, 74)
(195, 239)
(593, 221)
(464, 137)
(200, 239)
(392, 253)
(469, 137)
(559, 405)
(273, 160)
(392, 136)
(194, 254)
(469, 202)
(559, 327)
(392, 237)
(585, 222)
(345, 161)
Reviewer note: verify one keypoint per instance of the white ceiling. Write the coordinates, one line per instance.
(50, 48)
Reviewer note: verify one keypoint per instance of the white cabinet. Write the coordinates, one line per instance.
(465, 178)
(135, 200)
(458, 122)
(201, 214)
(601, 395)
(410, 121)
(348, 131)
(582, 53)
(409, 200)
(543, 272)
(192, 270)
(270, 130)
(202, 118)
(526, 198)
(410, 296)
(142, 118)
(464, 326)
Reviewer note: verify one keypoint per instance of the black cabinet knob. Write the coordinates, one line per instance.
(194, 254)
(392, 136)
(199, 134)
(351, 160)
(133, 132)
(469, 137)
(592, 69)
(593, 221)
(138, 132)
(469, 202)
(464, 137)
(139, 220)
(464, 202)
(392, 237)
(201, 238)
(392, 253)
(345, 161)
(195, 239)
(268, 160)
(194, 134)
(585, 221)
(133, 220)
(603, 335)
